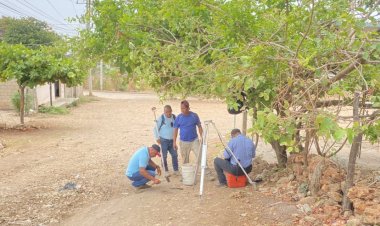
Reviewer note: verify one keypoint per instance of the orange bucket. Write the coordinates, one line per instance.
(236, 181)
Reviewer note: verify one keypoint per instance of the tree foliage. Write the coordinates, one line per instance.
(295, 63)
(36, 67)
(27, 31)
(32, 54)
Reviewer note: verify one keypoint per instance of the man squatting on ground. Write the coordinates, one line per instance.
(187, 122)
(141, 168)
(244, 150)
(163, 132)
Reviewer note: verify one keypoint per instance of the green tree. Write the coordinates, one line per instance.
(27, 31)
(36, 67)
(289, 61)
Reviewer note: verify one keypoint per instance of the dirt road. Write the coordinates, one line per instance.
(70, 171)
(88, 150)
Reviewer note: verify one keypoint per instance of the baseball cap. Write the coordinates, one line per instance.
(157, 148)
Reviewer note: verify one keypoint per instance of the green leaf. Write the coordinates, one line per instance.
(350, 135)
(339, 134)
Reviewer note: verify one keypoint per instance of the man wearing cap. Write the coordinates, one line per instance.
(141, 168)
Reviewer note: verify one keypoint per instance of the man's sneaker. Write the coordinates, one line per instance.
(211, 177)
(221, 185)
(175, 173)
(143, 187)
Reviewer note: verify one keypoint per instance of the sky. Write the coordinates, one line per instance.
(54, 12)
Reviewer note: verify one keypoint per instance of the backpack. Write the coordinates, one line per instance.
(163, 120)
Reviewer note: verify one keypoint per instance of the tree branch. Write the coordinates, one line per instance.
(308, 28)
(347, 70)
(340, 148)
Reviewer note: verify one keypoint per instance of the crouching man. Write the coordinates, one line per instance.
(142, 169)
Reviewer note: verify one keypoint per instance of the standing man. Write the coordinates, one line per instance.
(187, 123)
(163, 132)
(243, 149)
(141, 168)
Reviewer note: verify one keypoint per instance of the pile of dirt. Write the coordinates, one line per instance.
(318, 190)
(366, 202)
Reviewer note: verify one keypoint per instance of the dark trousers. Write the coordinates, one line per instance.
(167, 146)
(222, 165)
(140, 180)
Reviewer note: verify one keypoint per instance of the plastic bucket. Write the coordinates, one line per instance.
(236, 181)
(188, 174)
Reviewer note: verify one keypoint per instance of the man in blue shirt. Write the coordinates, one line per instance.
(163, 132)
(187, 123)
(243, 149)
(141, 168)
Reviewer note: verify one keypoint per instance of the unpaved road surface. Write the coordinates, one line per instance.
(88, 150)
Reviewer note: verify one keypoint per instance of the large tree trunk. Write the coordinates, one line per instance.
(282, 158)
(352, 159)
(244, 127)
(22, 104)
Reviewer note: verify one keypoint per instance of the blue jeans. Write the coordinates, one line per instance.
(140, 180)
(167, 145)
(222, 165)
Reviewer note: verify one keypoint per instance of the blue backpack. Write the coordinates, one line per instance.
(163, 121)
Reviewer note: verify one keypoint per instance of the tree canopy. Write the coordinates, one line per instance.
(32, 54)
(31, 67)
(27, 31)
(288, 60)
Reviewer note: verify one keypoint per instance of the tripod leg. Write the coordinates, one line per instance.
(197, 164)
(203, 165)
(200, 151)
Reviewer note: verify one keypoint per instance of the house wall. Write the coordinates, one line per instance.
(43, 94)
(61, 90)
(7, 90)
(73, 92)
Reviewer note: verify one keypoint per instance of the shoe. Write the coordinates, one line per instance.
(175, 173)
(143, 187)
(211, 178)
(221, 185)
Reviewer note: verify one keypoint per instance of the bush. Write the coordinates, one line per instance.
(53, 110)
(28, 102)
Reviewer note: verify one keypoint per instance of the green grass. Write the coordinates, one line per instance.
(63, 110)
(53, 110)
(82, 100)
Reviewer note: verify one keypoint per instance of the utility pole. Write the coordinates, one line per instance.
(88, 27)
(101, 74)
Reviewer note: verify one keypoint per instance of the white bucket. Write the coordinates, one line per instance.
(188, 174)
